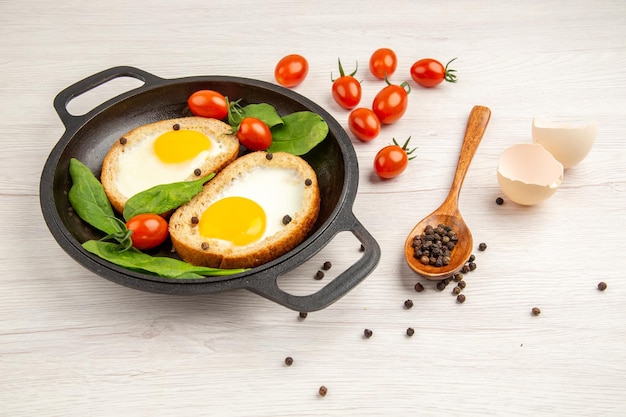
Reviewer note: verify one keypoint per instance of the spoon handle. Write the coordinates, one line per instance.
(476, 125)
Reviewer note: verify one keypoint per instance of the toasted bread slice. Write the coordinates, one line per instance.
(131, 165)
(185, 223)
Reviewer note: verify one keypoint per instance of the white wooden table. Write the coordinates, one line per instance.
(74, 344)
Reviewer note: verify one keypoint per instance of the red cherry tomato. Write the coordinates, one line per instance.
(383, 63)
(346, 89)
(429, 72)
(254, 134)
(364, 124)
(208, 103)
(291, 70)
(391, 102)
(392, 160)
(149, 230)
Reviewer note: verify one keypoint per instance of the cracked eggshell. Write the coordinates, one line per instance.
(568, 139)
(528, 174)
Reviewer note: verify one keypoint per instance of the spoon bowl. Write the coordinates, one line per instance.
(448, 212)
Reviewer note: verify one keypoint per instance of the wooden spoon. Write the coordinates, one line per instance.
(448, 213)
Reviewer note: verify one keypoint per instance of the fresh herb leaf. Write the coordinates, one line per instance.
(265, 112)
(89, 200)
(163, 198)
(141, 262)
(299, 133)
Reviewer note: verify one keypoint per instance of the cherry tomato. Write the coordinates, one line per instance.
(208, 103)
(291, 70)
(383, 63)
(364, 124)
(254, 134)
(429, 72)
(346, 89)
(391, 102)
(392, 160)
(149, 230)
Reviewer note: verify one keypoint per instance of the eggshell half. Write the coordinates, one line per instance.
(528, 174)
(568, 139)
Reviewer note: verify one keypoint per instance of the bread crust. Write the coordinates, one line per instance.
(216, 129)
(216, 253)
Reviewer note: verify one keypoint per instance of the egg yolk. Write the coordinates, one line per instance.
(236, 219)
(177, 146)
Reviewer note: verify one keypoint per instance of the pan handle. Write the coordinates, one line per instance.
(267, 286)
(64, 97)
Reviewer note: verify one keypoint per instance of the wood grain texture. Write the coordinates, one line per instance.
(74, 344)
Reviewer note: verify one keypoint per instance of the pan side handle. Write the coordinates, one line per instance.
(64, 97)
(267, 285)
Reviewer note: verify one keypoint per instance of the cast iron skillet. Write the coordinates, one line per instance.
(88, 138)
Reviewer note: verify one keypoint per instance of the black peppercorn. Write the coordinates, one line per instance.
(458, 277)
(419, 287)
(460, 298)
(287, 219)
(602, 286)
(367, 333)
(204, 246)
(269, 156)
(176, 127)
(499, 201)
(462, 284)
(323, 391)
(194, 220)
(408, 304)
(308, 182)
(456, 290)
(123, 141)
(362, 248)
(482, 246)
(536, 311)
(303, 314)
(197, 172)
(319, 275)
(441, 285)
(410, 331)
(472, 266)
(327, 265)
(288, 361)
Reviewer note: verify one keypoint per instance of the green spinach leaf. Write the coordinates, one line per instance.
(159, 265)
(163, 198)
(89, 200)
(265, 112)
(299, 133)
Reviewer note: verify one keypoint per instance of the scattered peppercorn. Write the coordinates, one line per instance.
(460, 298)
(288, 361)
(362, 249)
(536, 311)
(457, 290)
(323, 391)
(441, 285)
(176, 126)
(194, 220)
(419, 287)
(123, 141)
(499, 201)
(197, 172)
(308, 182)
(482, 246)
(269, 156)
(319, 275)
(408, 304)
(204, 246)
(327, 265)
(458, 277)
(368, 333)
(303, 314)
(461, 284)
(472, 266)
(410, 331)
(602, 286)
(287, 219)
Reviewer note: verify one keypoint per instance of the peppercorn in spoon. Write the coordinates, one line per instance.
(441, 243)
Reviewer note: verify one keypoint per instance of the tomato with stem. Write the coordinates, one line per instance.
(208, 103)
(291, 70)
(391, 102)
(148, 230)
(430, 73)
(254, 134)
(392, 160)
(383, 63)
(364, 124)
(346, 89)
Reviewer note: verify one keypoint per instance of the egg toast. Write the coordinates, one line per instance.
(164, 152)
(256, 209)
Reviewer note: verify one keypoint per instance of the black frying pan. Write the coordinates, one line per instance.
(89, 137)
